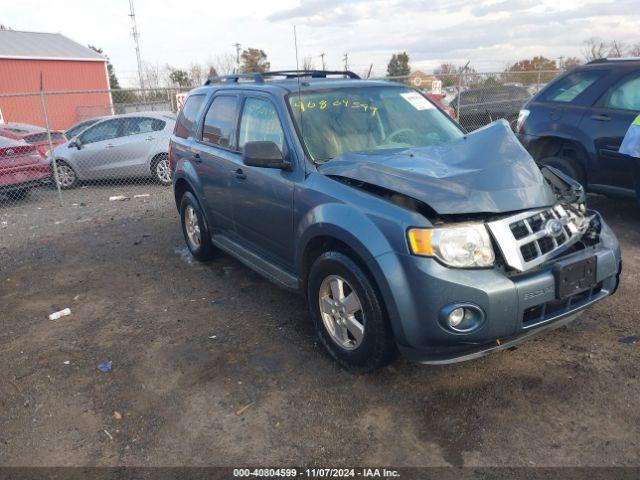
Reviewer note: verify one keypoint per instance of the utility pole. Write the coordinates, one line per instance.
(237, 45)
(346, 61)
(135, 35)
(322, 57)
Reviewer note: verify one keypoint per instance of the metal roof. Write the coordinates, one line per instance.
(44, 46)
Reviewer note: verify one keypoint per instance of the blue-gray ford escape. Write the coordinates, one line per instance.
(403, 232)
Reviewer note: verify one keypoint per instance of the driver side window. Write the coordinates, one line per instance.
(107, 130)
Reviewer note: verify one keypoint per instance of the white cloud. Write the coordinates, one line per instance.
(490, 33)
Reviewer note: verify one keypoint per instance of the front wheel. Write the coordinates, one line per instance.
(160, 169)
(195, 230)
(348, 314)
(67, 177)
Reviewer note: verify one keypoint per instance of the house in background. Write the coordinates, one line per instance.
(420, 80)
(64, 65)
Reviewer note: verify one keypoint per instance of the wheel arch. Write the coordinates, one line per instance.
(568, 148)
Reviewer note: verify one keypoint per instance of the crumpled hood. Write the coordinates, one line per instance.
(486, 171)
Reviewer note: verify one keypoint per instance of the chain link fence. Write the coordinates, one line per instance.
(60, 149)
(63, 151)
(476, 99)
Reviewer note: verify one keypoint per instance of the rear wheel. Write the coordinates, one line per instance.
(566, 166)
(194, 228)
(348, 315)
(160, 169)
(17, 195)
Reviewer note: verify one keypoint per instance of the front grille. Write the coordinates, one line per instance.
(531, 238)
(549, 310)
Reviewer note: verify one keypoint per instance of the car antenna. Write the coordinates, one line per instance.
(295, 42)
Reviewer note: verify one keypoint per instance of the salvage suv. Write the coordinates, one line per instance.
(404, 232)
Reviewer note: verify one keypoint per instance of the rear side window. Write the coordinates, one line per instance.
(187, 117)
(220, 121)
(568, 88)
(625, 95)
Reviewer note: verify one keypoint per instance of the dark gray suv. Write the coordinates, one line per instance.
(403, 232)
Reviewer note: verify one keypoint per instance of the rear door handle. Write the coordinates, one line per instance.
(239, 174)
(601, 118)
(197, 158)
(109, 145)
(148, 139)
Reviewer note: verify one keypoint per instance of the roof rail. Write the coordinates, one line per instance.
(614, 59)
(260, 77)
(235, 78)
(311, 73)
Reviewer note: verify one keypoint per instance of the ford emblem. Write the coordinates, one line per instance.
(553, 228)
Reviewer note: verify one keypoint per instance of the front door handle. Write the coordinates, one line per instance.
(110, 145)
(601, 118)
(239, 174)
(148, 139)
(197, 158)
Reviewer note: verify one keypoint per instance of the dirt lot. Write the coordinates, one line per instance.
(214, 366)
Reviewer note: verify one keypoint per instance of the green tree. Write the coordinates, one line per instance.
(254, 60)
(113, 80)
(398, 65)
(179, 77)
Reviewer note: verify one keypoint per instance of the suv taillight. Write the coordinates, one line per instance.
(522, 117)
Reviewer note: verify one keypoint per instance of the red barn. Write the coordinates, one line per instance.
(64, 65)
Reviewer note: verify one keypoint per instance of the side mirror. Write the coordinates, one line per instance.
(264, 154)
(75, 144)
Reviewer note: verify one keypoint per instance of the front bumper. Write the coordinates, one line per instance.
(517, 308)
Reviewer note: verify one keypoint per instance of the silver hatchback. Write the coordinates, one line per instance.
(133, 145)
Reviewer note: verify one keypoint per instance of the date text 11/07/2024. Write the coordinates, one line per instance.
(316, 472)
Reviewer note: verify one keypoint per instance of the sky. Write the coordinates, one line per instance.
(489, 33)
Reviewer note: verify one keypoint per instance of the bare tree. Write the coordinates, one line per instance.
(197, 74)
(594, 48)
(308, 64)
(634, 50)
(616, 49)
(152, 75)
(223, 64)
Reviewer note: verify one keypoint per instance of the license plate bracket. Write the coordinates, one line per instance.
(575, 276)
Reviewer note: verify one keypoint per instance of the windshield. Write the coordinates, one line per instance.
(333, 122)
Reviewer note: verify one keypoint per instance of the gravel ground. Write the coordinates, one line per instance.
(212, 365)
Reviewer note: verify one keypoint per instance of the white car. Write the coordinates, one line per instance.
(133, 145)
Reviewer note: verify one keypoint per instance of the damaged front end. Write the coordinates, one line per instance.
(533, 214)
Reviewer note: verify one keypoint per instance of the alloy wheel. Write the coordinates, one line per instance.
(163, 172)
(66, 175)
(192, 227)
(341, 312)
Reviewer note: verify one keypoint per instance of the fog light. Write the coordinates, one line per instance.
(455, 317)
(461, 318)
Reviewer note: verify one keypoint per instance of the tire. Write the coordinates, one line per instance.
(160, 169)
(566, 166)
(192, 227)
(67, 176)
(376, 346)
(18, 195)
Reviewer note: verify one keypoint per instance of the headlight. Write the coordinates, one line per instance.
(463, 246)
